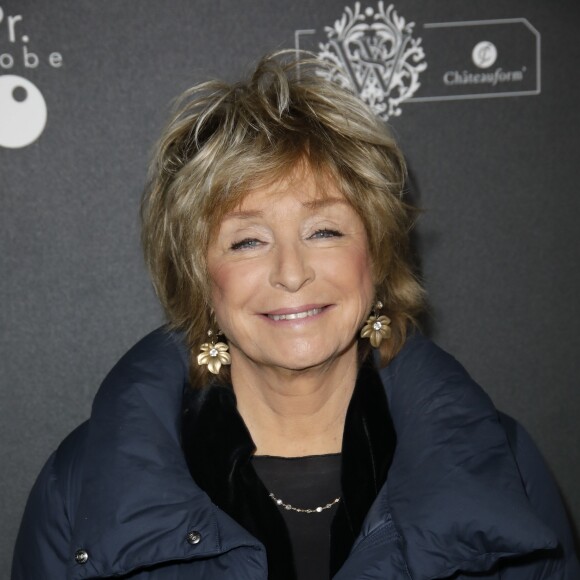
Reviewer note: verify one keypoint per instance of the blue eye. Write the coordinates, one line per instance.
(326, 233)
(246, 243)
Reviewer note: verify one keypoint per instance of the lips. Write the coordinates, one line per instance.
(296, 315)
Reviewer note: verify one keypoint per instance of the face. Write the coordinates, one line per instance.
(291, 276)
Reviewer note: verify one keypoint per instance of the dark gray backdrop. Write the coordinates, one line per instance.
(499, 240)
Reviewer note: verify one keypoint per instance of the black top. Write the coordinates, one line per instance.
(305, 482)
(218, 448)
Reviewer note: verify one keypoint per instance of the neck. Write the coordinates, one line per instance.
(295, 413)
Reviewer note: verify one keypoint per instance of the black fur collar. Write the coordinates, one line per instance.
(218, 449)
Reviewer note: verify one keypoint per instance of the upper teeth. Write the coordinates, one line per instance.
(295, 315)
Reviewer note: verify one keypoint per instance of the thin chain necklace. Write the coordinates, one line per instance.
(315, 510)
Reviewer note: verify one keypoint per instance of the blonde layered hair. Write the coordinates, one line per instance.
(225, 140)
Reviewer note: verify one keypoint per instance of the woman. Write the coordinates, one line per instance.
(289, 423)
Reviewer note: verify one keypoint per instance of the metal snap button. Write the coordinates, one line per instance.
(193, 537)
(81, 557)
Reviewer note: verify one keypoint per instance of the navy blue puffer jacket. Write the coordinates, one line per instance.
(467, 494)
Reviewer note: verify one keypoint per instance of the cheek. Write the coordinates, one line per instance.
(232, 287)
(351, 272)
(221, 282)
(364, 281)
(360, 274)
(361, 261)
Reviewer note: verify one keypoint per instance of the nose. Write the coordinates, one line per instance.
(291, 267)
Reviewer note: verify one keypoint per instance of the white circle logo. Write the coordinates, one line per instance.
(22, 112)
(484, 54)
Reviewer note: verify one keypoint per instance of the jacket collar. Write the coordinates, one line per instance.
(453, 488)
(218, 449)
(137, 500)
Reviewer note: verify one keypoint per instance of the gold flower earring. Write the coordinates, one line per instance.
(377, 327)
(214, 354)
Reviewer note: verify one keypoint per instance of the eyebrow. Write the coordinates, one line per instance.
(243, 214)
(324, 202)
(312, 205)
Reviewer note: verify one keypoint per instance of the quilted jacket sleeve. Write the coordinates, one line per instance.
(42, 546)
(545, 498)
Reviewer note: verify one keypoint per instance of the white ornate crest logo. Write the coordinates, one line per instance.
(375, 55)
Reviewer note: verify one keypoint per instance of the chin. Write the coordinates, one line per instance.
(307, 357)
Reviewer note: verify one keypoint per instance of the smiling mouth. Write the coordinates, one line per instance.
(296, 315)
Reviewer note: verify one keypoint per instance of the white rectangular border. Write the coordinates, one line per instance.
(523, 21)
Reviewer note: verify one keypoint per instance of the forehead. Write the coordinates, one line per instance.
(307, 188)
